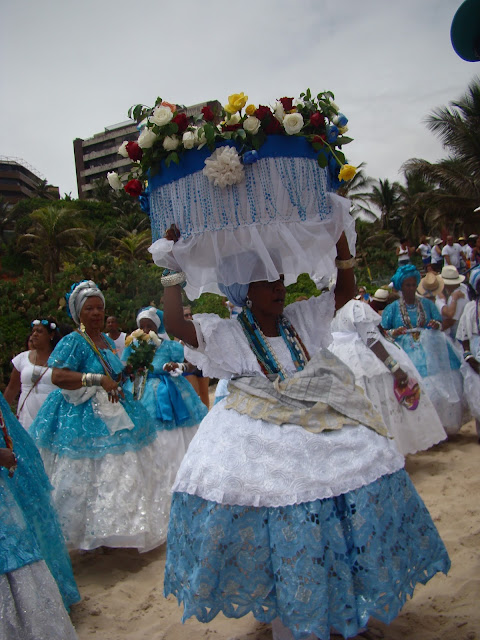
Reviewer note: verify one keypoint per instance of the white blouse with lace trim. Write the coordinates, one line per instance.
(234, 459)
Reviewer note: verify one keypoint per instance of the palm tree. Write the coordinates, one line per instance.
(385, 199)
(133, 246)
(54, 235)
(456, 179)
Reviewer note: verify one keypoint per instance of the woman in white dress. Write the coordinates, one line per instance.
(291, 502)
(379, 364)
(31, 375)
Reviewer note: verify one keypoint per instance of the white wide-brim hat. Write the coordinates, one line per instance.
(381, 295)
(450, 275)
(431, 284)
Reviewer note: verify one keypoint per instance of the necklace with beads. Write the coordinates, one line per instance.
(261, 347)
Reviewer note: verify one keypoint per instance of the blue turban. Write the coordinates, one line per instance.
(475, 278)
(236, 293)
(77, 296)
(404, 272)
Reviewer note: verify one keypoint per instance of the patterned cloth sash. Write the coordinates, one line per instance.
(323, 396)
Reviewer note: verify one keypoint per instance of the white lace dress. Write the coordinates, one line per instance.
(468, 329)
(354, 325)
(266, 465)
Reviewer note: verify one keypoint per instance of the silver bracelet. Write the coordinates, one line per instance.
(93, 379)
(345, 264)
(173, 278)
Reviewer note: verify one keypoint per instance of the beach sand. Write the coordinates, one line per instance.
(123, 590)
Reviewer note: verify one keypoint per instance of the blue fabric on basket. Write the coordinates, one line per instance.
(29, 528)
(318, 565)
(188, 409)
(83, 433)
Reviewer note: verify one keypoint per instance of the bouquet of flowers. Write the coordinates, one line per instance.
(139, 362)
(166, 133)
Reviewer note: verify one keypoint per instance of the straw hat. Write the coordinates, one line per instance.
(450, 275)
(431, 285)
(381, 295)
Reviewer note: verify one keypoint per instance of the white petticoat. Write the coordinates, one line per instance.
(31, 606)
(237, 460)
(118, 500)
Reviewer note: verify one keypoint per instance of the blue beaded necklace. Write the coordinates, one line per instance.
(264, 352)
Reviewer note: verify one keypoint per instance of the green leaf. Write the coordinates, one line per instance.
(343, 140)
(340, 156)
(322, 160)
(174, 157)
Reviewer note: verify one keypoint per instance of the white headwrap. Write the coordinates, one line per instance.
(85, 289)
(151, 314)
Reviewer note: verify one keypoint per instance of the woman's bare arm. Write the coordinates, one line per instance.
(345, 287)
(173, 318)
(13, 388)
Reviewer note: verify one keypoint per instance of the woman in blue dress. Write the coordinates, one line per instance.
(414, 323)
(100, 447)
(35, 569)
(168, 397)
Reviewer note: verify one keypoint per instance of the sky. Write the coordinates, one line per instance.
(71, 68)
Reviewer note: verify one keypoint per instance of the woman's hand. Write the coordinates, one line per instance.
(7, 459)
(434, 324)
(111, 387)
(399, 331)
(401, 377)
(171, 366)
(474, 364)
(172, 233)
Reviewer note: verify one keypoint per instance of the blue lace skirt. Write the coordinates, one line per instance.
(322, 565)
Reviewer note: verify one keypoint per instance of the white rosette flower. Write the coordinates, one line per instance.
(224, 167)
(170, 143)
(293, 123)
(161, 116)
(188, 139)
(234, 118)
(122, 149)
(146, 138)
(114, 180)
(251, 125)
(279, 112)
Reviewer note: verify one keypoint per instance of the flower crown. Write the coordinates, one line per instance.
(46, 323)
(166, 133)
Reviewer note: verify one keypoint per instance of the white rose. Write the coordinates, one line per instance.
(188, 140)
(199, 137)
(114, 181)
(334, 106)
(122, 150)
(234, 118)
(170, 143)
(279, 112)
(146, 139)
(251, 124)
(154, 338)
(293, 123)
(161, 115)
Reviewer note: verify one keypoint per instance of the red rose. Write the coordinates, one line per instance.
(273, 126)
(317, 119)
(134, 188)
(263, 112)
(287, 103)
(181, 121)
(231, 127)
(208, 114)
(135, 152)
(319, 139)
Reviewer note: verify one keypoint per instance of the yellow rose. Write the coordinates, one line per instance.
(236, 102)
(250, 110)
(347, 172)
(128, 340)
(343, 130)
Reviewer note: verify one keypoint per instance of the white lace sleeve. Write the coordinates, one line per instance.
(311, 319)
(222, 350)
(467, 325)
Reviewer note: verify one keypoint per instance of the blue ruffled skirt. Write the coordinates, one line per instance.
(319, 566)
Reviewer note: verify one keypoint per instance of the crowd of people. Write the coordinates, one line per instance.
(115, 438)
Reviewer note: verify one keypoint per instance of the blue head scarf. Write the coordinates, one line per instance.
(404, 272)
(236, 293)
(153, 314)
(475, 279)
(77, 296)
